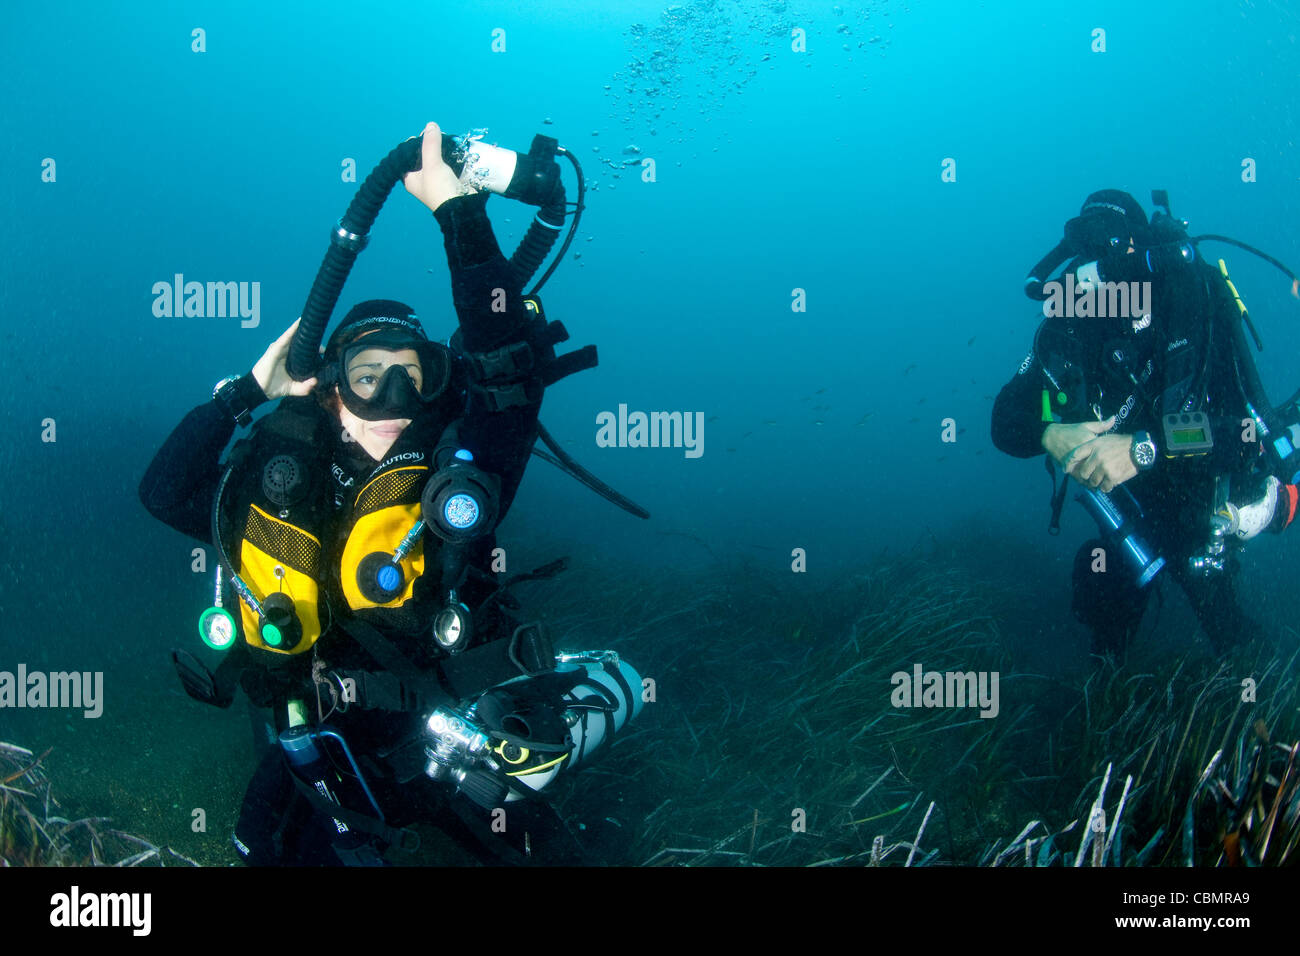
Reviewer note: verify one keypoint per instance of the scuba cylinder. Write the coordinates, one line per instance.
(1278, 426)
(607, 678)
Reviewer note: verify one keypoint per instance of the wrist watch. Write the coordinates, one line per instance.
(1143, 451)
(227, 393)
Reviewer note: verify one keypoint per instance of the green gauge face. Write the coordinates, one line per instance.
(1187, 434)
(217, 628)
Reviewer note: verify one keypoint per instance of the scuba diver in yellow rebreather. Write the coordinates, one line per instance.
(354, 530)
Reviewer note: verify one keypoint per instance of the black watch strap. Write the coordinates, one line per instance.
(239, 395)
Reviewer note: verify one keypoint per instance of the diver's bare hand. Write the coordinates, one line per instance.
(271, 373)
(434, 182)
(1103, 463)
(1061, 441)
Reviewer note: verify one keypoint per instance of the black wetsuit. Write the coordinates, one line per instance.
(1184, 361)
(179, 487)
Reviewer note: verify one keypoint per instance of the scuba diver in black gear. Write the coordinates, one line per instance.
(1141, 387)
(369, 619)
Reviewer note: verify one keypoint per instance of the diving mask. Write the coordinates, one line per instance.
(391, 374)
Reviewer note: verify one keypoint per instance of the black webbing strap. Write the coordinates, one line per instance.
(588, 704)
(564, 365)
(408, 840)
(616, 674)
(1058, 496)
(498, 398)
(406, 687)
(507, 361)
(514, 375)
(420, 683)
(375, 690)
(479, 668)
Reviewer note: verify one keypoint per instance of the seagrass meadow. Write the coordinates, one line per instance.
(1153, 761)
(770, 737)
(34, 831)
(796, 234)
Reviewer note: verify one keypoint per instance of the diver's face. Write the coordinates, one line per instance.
(364, 372)
(367, 368)
(375, 437)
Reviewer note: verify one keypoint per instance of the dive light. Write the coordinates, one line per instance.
(1107, 511)
(490, 766)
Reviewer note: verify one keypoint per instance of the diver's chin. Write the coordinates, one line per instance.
(389, 431)
(377, 438)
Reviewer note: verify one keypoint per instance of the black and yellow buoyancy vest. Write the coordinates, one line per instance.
(290, 529)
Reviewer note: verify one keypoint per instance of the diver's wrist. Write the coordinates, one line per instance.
(1142, 451)
(251, 389)
(238, 396)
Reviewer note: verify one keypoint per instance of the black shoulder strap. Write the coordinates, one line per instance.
(420, 684)
(456, 678)
(408, 840)
(1058, 496)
